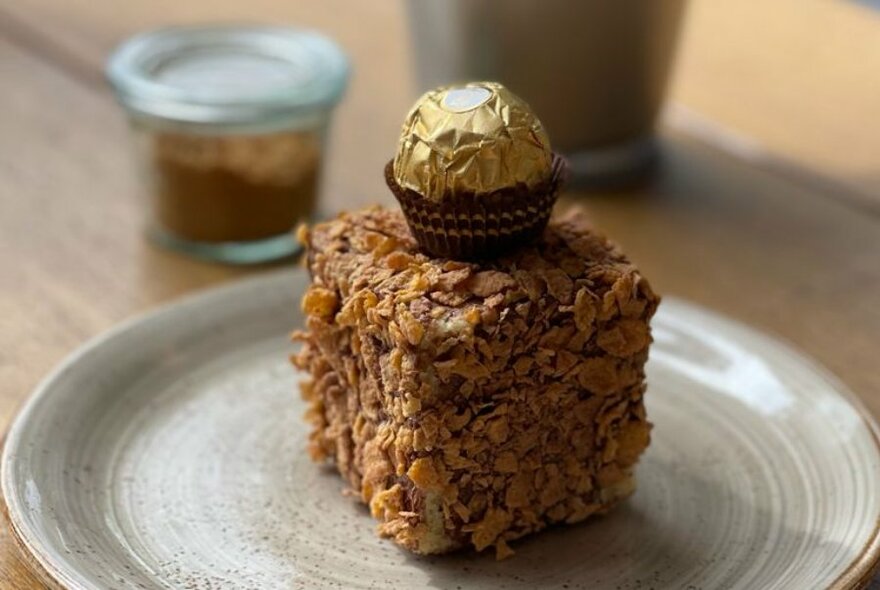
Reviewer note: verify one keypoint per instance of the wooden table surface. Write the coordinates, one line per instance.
(767, 207)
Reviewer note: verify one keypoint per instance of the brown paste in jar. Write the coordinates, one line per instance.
(234, 188)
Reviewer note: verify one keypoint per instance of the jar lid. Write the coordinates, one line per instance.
(228, 75)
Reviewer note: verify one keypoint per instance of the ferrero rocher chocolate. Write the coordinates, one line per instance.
(474, 172)
(469, 139)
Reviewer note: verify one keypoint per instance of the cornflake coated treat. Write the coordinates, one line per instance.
(471, 404)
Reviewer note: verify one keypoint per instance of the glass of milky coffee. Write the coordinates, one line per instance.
(595, 70)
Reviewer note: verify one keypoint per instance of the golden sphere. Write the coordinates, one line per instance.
(471, 139)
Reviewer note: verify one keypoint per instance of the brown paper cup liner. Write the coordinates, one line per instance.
(479, 226)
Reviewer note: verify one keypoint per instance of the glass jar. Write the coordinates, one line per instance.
(229, 126)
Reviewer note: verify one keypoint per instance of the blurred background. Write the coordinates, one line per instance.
(794, 78)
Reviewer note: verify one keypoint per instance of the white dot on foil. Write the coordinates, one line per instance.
(459, 100)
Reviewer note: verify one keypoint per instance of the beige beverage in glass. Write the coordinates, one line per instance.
(596, 71)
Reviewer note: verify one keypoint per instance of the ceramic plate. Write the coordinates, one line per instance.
(169, 453)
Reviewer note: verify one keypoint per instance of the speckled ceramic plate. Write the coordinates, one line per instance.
(169, 453)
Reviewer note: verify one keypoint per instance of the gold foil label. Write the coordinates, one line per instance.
(475, 138)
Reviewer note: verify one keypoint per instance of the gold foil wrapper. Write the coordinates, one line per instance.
(471, 139)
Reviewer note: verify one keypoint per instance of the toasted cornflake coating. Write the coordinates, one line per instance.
(474, 403)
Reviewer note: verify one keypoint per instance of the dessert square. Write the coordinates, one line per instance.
(473, 403)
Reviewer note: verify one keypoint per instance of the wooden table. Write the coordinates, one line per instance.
(767, 207)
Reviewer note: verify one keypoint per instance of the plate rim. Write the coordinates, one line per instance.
(36, 558)
(858, 573)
